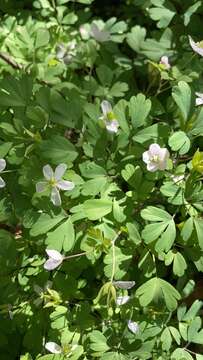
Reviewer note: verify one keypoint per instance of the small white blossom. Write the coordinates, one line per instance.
(124, 284)
(99, 34)
(2, 167)
(108, 117)
(55, 259)
(121, 300)
(199, 99)
(53, 348)
(54, 180)
(156, 158)
(133, 326)
(66, 53)
(165, 61)
(197, 47)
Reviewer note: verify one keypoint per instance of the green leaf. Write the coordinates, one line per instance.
(154, 133)
(199, 230)
(42, 38)
(97, 208)
(122, 263)
(162, 12)
(183, 97)
(157, 289)
(179, 264)
(44, 223)
(93, 187)
(139, 108)
(179, 142)
(15, 92)
(7, 252)
(63, 237)
(91, 170)
(98, 342)
(58, 150)
(190, 11)
(181, 354)
(164, 227)
(136, 37)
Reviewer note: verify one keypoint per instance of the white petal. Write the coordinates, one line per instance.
(51, 264)
(112, 126)
(154, 149)
(55, 197)
(195, 47)
(60, 51)
(199, 101)
(152, 167)
(106, 107)
(48, 172)
(99, 35)
(65, 185)
(2, 183)
(133, 326)
(2, 164)
(60, 171)
(199, 95)
(124, 284)
(121, 300)
(53, 347)
(41, 186)
(54, 254)
(146, 157)
(164, 61)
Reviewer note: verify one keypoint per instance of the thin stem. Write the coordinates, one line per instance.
(75, 255)
(114, 256)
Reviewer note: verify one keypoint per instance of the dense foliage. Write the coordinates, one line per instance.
(101, 160)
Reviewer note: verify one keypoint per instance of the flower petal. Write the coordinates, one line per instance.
(146, 157)
(54, 254)
(2, 164)
(152, 167)
(51, 264)
(133, 326)
(112, 126)
(65, 185)
(55, 197)
(2, 183)
(165, 61)
(41, 186)
(124, 284)
(106, 107)
(99, 35)
(121, 300)
(199, 100)
(48, 172)
(60, 171)
(195, 47)
(53, 348)
(154, 149)
(164, 155)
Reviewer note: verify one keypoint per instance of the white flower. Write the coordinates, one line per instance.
(2, 167)
(133, 326)
(98, 34)
(53, 348)
(156, 158)
(124, 284)
(199, 99)
(121, 300)
(108, 117)
(55, 259)
(165, 61)
(84, 32)
(66, 53)
(197, 47)
(53, 179)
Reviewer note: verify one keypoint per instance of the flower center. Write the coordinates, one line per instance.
(155, 158)
(200, 44)
(110, 116)
(52, 182)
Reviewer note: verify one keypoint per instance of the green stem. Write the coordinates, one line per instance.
(114, 256)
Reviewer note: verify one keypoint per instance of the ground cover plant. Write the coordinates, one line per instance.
(101, 162)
